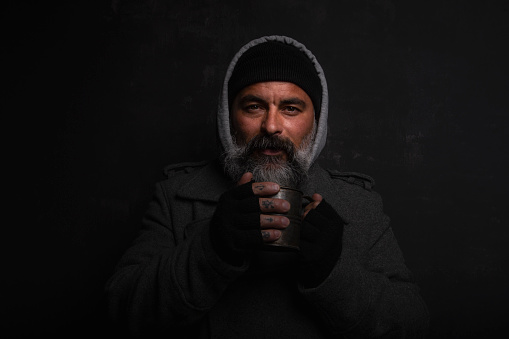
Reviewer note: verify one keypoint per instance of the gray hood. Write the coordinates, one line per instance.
(223, 115)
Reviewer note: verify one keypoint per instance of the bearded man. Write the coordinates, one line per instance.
(203, 265)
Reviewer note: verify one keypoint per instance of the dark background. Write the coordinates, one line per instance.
(100, 95)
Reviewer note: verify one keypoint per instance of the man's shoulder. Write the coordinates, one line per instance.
(354, 178)
(181, 168)
(354, 196)
(178, 176)
(203, 180)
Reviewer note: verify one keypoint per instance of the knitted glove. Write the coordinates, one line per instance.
(320, 244)
(235, 225)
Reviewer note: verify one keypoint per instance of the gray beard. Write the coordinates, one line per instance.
(291, 172)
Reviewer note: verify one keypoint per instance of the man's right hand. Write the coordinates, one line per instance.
(241, 223)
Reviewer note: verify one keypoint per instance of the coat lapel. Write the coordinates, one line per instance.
(205, 184)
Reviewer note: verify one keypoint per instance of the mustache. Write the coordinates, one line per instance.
(263, 141)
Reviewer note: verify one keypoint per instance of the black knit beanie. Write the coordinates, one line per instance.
(276, 61)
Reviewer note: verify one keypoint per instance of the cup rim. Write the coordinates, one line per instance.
(291, 189)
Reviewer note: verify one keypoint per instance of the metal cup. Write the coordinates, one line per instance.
(290, 236)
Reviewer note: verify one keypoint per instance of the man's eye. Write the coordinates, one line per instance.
(291, 109)
(252, 108)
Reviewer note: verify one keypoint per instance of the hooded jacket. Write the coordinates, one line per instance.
(171, 283)
(223, 115)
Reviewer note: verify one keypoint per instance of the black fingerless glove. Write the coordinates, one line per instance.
(235, 225)
(320, 244)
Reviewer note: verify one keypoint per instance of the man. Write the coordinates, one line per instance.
(203, 265)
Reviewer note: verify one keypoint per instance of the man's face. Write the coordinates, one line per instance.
(278, 109)
(273, 128)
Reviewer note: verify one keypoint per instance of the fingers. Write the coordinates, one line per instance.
(273, 221)
(245, 178)
(274, 205)
(272, 225)
(317, 199)
(270, 235)
(259, 188)
(265, 188)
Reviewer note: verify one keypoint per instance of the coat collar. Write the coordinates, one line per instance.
(319, 181)
(205, 184)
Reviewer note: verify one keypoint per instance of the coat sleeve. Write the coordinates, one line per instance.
(166, 280)
(370, 293)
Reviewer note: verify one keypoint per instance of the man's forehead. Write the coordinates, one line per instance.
(269, 90)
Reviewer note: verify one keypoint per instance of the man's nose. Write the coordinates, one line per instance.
(272, 123)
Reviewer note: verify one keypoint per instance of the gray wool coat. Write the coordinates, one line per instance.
(171, 283)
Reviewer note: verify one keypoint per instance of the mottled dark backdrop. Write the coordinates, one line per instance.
(100, 95)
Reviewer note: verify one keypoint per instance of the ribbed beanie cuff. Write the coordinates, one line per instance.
(276, 61)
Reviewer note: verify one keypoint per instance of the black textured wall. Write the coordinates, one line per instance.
(99, 96)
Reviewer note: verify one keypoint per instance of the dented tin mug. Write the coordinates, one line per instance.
(290, 236)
